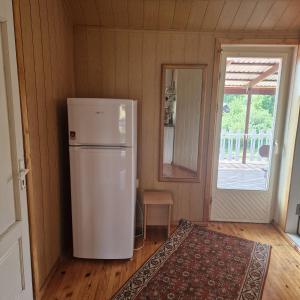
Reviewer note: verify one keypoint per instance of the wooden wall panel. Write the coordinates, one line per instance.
(131, 68)
(148, 110)
(94, 75)
(81, 53)
(108, 65)
(46, 88)
(35, 203)
(135, 82)
(44, 36)
(42, 123)
(122, 57)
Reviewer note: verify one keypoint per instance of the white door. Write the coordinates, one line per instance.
(15, 269)
(253, 96)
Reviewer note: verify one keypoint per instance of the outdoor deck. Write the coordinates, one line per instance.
(249, 176)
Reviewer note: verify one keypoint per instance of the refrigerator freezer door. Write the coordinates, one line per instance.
(103, 202)
(101, 121)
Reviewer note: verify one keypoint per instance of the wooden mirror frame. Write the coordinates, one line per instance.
(164, 67)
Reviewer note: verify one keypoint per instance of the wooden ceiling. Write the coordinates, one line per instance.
(189, 15)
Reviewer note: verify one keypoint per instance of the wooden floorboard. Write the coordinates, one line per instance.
(91, 279)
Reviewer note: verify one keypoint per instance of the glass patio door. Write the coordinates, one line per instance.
(252, 105)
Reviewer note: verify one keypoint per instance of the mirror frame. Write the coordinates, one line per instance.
(164, 67)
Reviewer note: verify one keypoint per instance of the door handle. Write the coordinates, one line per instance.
(23, 173)
(276, 147)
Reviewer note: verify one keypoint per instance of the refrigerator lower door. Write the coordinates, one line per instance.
(103, 202)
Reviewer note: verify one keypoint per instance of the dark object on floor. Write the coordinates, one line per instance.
(196, 263)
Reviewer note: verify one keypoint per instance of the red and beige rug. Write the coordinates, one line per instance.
(197, 263)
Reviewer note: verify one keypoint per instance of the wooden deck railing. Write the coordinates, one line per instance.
(231, 145)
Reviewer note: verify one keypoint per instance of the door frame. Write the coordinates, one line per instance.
(215, 100)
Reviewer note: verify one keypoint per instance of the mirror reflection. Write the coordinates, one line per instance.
(181, 102)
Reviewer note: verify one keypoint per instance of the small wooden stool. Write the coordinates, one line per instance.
(157, 198)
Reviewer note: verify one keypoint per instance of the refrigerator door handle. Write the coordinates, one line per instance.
(99, 147)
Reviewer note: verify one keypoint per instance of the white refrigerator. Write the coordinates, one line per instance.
(102, 147)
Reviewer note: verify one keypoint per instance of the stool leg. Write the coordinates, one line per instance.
(169, 221)
(145, 220)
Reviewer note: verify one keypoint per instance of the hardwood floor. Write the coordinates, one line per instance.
(91, 279)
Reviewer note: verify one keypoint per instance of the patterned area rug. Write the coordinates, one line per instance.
(197, 263)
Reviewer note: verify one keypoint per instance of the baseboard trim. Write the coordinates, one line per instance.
(286, 237)
(201, 223)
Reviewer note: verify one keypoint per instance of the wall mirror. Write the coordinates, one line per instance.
(183, 92)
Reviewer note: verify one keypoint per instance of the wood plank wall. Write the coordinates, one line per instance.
(44, 38)
(108, 63)
(127, 64)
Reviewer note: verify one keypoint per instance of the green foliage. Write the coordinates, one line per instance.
(234, 120)
(261, 114)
